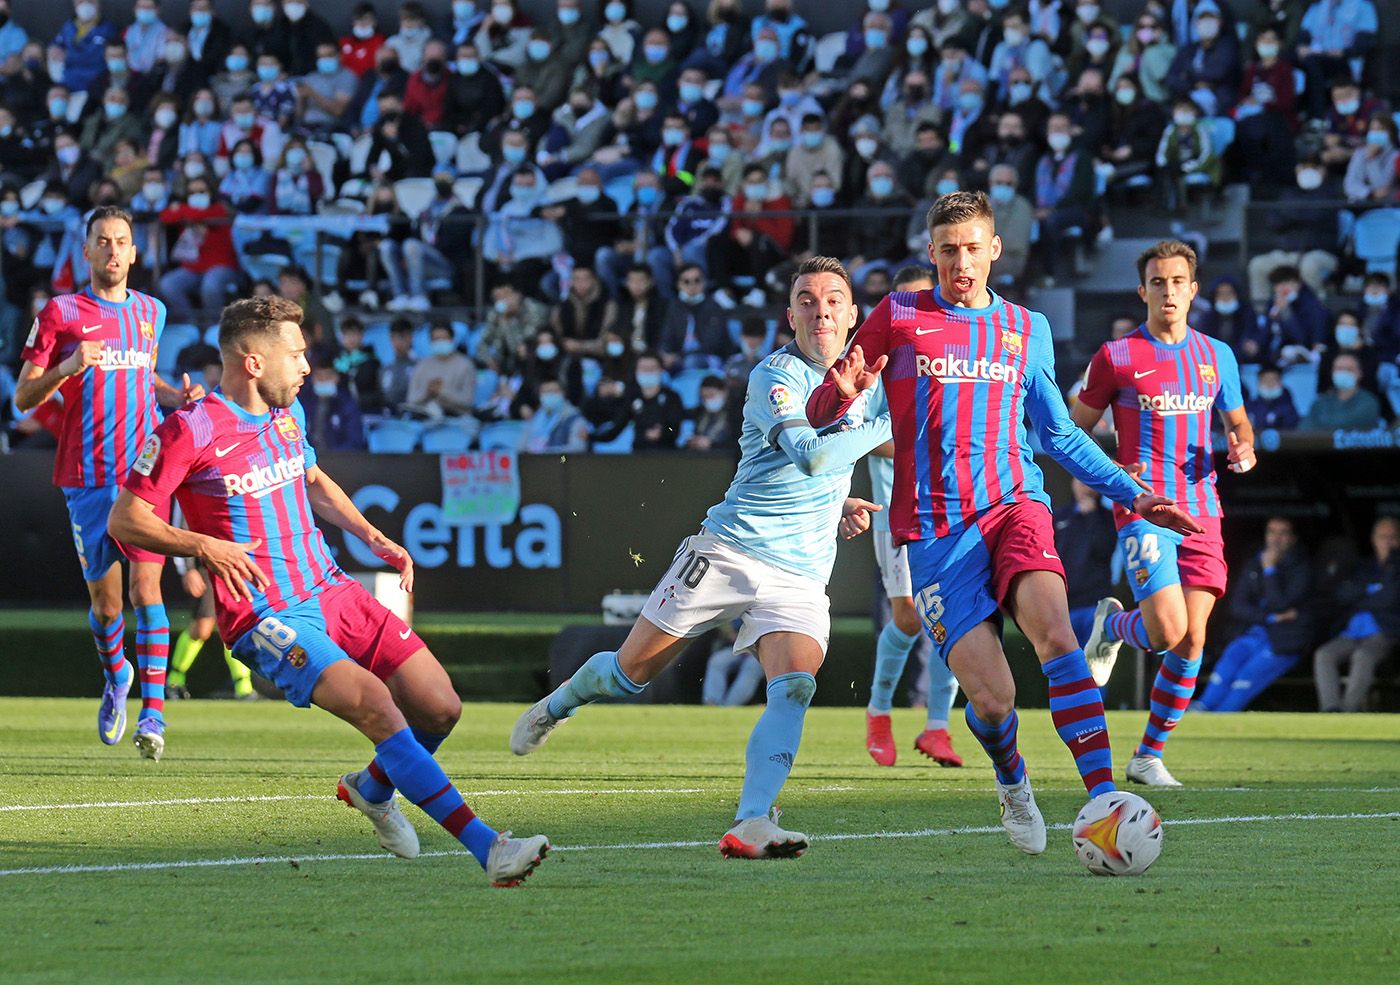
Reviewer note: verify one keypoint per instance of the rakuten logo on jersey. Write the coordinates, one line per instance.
(261, 481)
(1174, 404)
(951, 369)
(120, 359)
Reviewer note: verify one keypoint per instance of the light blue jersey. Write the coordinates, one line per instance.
(881, 472)
(786, 497)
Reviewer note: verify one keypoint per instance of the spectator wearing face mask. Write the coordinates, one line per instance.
(1372, 599)
(474, 93)
(579, 320)
(234, 78)
(1380, 322)
(397, 374)
(955, 68)
(426, 94)
(945, 19)
(444, 382)
(1348, 339)
(413, 35)
(512, 322)
(697, 219)
(1146, 56)
(387, 78)
(814, 151)
(208, 39)
(359, 48)
(1064, 193)
(555, 426)
(1296, 320)
(1348, 119)
(763, 66)
(1185, 150)
(244, 124)
(1230, 317)
(1345, 406)
(695, 332)
(1371, 175)
(72, 168)
(1332, 34)
(1207, 70)
(601, 74)
(399, 145)
(48, 238)
(879, 53)
(678, 157)
(1019, 49)
(146, 36)
(725, 158)
(326, 92)
(296, 186)
(752, 245)
(656, 410)
(907, 115)
(1015, 217)
(206, 265)
(333, 418)
(712, 427)
(115, 122)
(307, 31)
(1304, 228)
(83, 41)
(518, 241)
(1272, 406)
(358, 366)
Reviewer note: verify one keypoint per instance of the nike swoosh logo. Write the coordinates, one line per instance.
(90, 328)
(405, 634)
(1145, 372)
(221, 452)
(112, 732)
(926, 331)
(1085, 738)
(1048, 556)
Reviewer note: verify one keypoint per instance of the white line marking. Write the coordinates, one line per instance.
(636, 846)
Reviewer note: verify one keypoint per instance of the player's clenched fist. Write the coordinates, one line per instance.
(85, 355)
(231, 562)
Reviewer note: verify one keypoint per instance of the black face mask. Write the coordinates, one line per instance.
(915, 94)
(781, 16)
(434, 66)
(4, 17)
(388, 67)
(712, 195)
(444, 189)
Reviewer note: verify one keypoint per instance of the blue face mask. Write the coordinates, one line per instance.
(812, 139)
(588, 194)
(116, 65)
(648, 381)
(513, 155)
(242, 162)
(468, 66)
(523, 109)
(145, 17)
(691, 93)
(823, 197)
(1002, 194)
(546, 351)
(1378, 138)
(1348, 336)
(765, 50)
(969, 102)
(876, 38)
(244, 121)
(296, 157)
(946, 187)
(1227, 307)
(236, 63)
(441, 347)
(646, 99)
(719, 153)
(881, 186)
(917, 46)
(327, 66)
(58, 107)
(1375, 299)
(114, 111)
(753, 107)
(1344, 379)
(268, 73)
(597, 59)
(648, 195)
(568, 16)
(1020, 92)
(551, 403)
(675, 23)
(537, 49)
(201, 18)
(672, 137)
(1270, 392)
(655, 53)
(781, 146)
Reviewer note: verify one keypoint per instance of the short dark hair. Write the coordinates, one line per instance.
(401, 326)
(1284, 272)
(713, 382)
(103, 212)
(956, 207)
(254, 318)
(909, 274)
(823, 265)
(1165, 250)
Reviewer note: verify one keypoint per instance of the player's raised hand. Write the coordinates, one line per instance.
(855, 517)
(1241, 456)
(85, 355)
(187, 392)
(387, 550)
(850, 374)
(232, 562)
(1165, 513)
(1135, 470)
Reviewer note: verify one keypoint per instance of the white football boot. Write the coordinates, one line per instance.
(533, 727)
(395, 833)
(1151, 771)
(511, 860)
(1100, 653)
(1021, 818)
(760, 837)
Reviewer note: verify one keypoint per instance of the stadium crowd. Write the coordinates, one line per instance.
(635, 193)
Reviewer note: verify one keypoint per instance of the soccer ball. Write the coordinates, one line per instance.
(1117, 834)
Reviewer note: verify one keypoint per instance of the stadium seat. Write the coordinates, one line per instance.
(414, 195)
(486, 383)
(444, 144)
(502, 436)
(325, 155)
(621, 445)
(394, 437)
(828, 49)
(1222, 133)
(1376, 235)
(687, 384)
(211, 336)
(30, 194)
(471, 159)
(686, 432)
(377, 341)
(172, 341)
(467, 189)
(305, 256)
(359, 153)
(450, 438)
(343, 143)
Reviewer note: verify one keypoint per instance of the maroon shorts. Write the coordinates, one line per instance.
(369, 633)
(1019, 537)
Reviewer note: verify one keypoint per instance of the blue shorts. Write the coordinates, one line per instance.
(1155, 558)
(88, 509)
(292, 648)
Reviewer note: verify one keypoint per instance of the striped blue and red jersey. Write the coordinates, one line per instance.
(960, 382)
(242, 477)
(1162, 395)
(108, 409)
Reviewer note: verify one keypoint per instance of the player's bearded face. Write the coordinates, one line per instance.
(964, 252)
(822, 314)
(110, 252)
(283, 367)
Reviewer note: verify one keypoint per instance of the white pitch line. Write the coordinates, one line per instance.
(98, 805)
(636, 846)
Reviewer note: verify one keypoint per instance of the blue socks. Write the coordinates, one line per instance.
(1000, 743)
(152, 658)
(374, 784)
(412, 769)
(891, 653)
(599, 677)
(1128, 627)
(942, 689)
(1076, 708)
(773, 743)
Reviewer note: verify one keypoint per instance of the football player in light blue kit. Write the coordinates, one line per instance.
(902, 633)
(763, 556)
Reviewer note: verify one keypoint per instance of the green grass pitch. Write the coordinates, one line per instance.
(1281, 860)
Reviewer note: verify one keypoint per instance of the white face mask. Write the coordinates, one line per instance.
(1059, 142)
(714, 404)
(1309, 179)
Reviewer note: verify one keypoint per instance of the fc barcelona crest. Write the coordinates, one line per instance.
(1011, 342)
(1207, 372)
(287, 427)
(148, 331)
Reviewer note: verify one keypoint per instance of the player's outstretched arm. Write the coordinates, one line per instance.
(817, 454)
(855, 517)
(330, 503)
(844, 381)
(38, 383)
(1165, 513)
(134, 521)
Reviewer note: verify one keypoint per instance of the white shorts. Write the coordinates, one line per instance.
(894, 565)
(711, 583)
